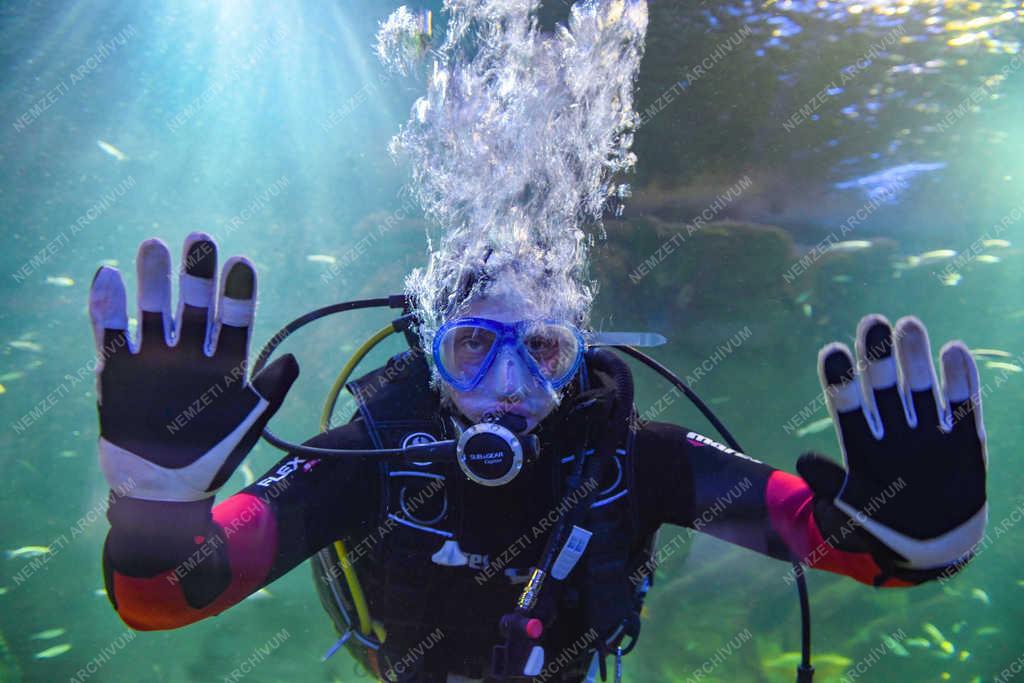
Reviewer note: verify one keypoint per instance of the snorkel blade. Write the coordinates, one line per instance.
(638, 339)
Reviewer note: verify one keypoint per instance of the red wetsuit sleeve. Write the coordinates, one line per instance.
(691, 480)
(790, 504)
(246, 536)
(171, 564)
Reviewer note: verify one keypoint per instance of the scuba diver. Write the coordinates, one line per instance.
(493, 503)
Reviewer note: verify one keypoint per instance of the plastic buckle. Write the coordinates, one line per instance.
(520, 650)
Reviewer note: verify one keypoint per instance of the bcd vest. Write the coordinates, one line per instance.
(426, 586)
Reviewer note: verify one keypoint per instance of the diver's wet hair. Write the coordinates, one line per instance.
(485, 280)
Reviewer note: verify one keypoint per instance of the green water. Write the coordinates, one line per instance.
(267, 127)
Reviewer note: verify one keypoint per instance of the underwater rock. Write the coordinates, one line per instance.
(655, 272)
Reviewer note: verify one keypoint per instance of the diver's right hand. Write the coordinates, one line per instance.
(177, 413)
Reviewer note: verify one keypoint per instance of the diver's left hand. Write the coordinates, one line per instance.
(915, 455)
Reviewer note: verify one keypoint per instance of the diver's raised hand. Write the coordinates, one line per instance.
(177, 412)
(914, 452)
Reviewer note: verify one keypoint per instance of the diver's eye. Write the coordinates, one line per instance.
(472, 342)
(542, 347)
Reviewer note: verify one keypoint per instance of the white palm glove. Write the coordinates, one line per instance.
(177, 413)
(915, 459)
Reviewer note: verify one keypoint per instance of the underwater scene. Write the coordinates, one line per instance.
(788, 167)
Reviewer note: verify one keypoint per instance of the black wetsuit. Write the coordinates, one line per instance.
(170, 564)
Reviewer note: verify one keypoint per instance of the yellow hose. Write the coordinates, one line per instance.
(366, 624)
(350, 366)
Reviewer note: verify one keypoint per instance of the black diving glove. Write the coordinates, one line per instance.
(177, 412)
(914, 481)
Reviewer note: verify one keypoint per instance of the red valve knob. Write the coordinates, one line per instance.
(534, 627)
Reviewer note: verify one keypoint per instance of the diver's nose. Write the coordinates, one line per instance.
(510, 373)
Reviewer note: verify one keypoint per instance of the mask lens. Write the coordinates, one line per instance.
(554, 348)
(464, 349)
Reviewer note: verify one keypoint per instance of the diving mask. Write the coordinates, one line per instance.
(465, 348)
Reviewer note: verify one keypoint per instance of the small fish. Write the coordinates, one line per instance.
(952, 279)
(815, 427)
(804, 296)
(247, 473)
(791, 659)
(842, 279)
(986, 631)
(850, 245)
(786, 659)
(27, 551)
(100, 592)
(261, 594)
(964, 655)
(60, 281)
(321, 258)
(998, 244)
(51, 652)
(3, 389)
(932, 631)
(937, 255)
(112, 151)
(947, 647)
(993, 353)
(49, 634)
(987, 258)
(110, 262)
(959, 626)
(25, 345)
(895, 646)
(917, 642)
(979, 594)
(1000, 365)
(808, 311)
(3, 590)
(67, 454)
(11, 376)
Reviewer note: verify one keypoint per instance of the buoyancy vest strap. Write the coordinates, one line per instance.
(391, 401)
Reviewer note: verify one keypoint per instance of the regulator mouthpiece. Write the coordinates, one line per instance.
(512, 422)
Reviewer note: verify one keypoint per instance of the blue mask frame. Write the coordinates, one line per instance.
(506, 334)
